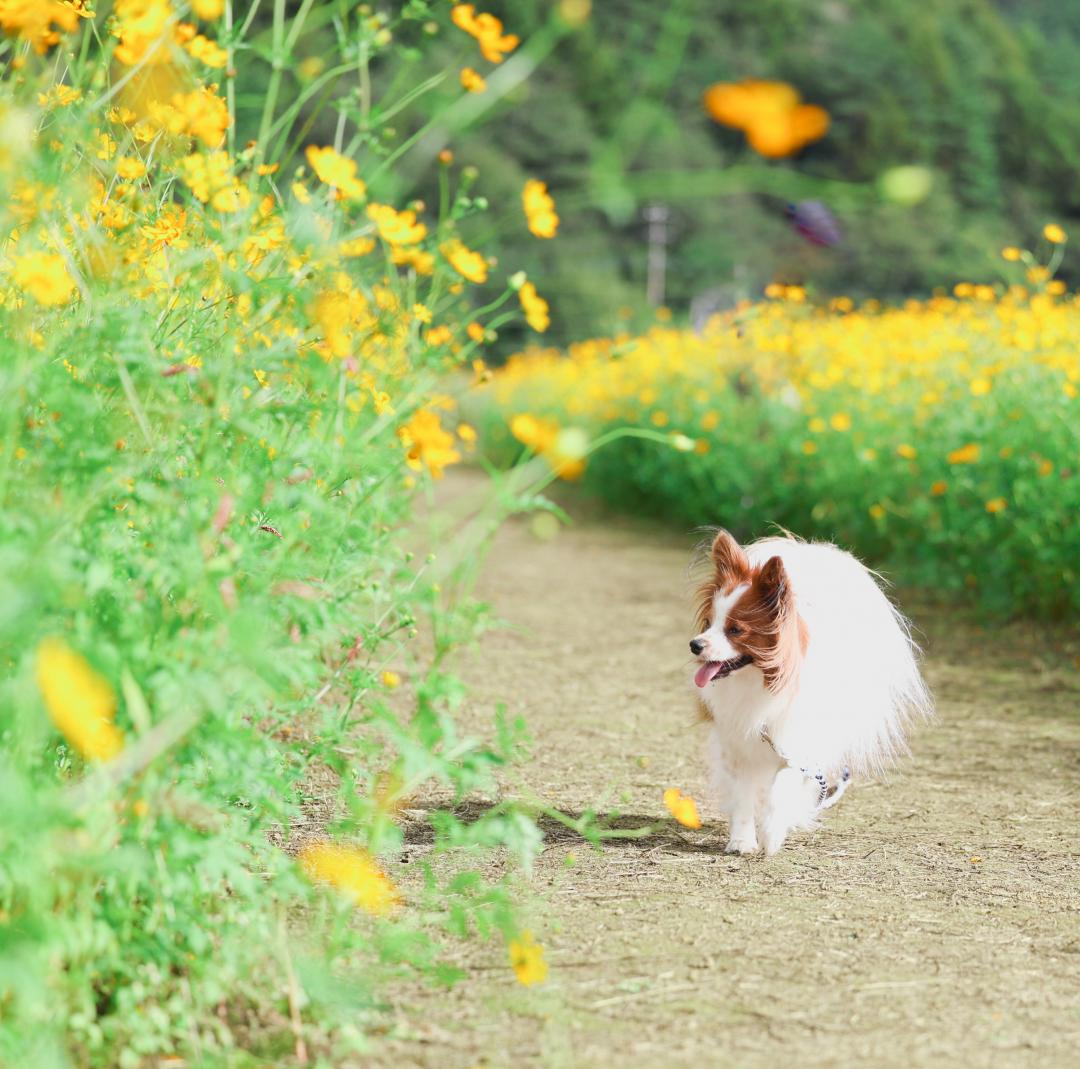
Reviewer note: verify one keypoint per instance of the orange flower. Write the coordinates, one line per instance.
(682, 807)
(967, 454)
(488, 31)
(471, 81)
(337, 171)
(465, 262)
(771, 114)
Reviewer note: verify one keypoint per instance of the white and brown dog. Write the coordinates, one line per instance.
(807, 674)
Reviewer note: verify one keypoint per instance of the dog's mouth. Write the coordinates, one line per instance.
(711, 670)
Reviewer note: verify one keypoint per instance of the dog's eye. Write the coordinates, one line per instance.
(733, 629)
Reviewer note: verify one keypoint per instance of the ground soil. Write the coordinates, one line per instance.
(931, 920)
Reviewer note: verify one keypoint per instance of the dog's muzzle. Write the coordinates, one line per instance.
(711, 670)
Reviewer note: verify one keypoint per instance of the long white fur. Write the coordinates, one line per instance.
(857, 690)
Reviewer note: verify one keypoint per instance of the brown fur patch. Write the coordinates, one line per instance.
(763, 622)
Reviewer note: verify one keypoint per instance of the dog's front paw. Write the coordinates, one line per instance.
(741, 846)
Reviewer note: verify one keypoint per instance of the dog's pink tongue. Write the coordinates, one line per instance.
(707, 673)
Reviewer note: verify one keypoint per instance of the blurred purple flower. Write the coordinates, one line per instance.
(813, 221)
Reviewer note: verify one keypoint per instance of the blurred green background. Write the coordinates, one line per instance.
(981, 94)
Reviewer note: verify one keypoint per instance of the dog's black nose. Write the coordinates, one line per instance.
(696, 647)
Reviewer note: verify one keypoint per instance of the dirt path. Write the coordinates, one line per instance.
(932, 920)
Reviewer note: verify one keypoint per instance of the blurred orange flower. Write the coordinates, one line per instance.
(771, 114)
(488, 31)
(682, 807)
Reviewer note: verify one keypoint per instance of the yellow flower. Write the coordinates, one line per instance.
(527, 960)
(488, 31)
(352, 872)
(439, 335)
(537, 434)
(427, 444)
(840, 421)
(938, 488)
(1054, 234)
(79, 701)
(1045, 466)
(908, 452)
(33, 20)
(682, 807)
(967, 454)
(539, 209)
(130, 168)
(470, 265)
(421, 313)
(337, 171)
(980, 387)
(208, 9)
(207, 51)
(466, 432)
(877, 512)
(535, 308)
(1011, 253)
(391, 679)
(44, 275)
(997, 504)
(476, 332)
(471, 81)
(809, 447)
(396, 228)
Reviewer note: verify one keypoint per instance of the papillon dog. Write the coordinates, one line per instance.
(807, 674)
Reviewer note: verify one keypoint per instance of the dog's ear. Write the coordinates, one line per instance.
(772, 582)
(730, 560)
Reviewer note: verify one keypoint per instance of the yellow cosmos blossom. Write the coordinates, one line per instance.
(908, 452)
(938, 488)
(79, 702)
(539, 209)
(967, 454)
(470, 265)
(208, 10)
(535, 308)
(396, 228)
(207, 51)
(353, 873)
(997, 504)
(391, 679)
(840, 421)
(488, 31)
(467, 433)
(1011, 253)
(527, 960)
(43, 275)
(981, 386)
(41, 21)
(427, 444)
(1054, 234)
(337, 171)
(141, 26)
(682, 807)
(471, 81)
(130, 168)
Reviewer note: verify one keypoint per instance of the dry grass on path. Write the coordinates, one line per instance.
(932, 920)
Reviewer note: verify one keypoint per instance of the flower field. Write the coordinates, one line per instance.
(226, 360)
(939, 439)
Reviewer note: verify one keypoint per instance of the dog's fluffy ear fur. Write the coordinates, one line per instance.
(778, 624)
(732, 564)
